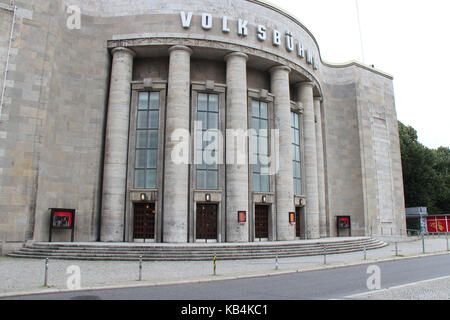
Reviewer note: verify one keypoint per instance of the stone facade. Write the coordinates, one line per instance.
(69, 107)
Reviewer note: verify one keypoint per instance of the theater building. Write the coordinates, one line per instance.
(111, 108)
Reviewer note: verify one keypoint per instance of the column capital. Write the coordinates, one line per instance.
(236, 54)
(183, 48)
(123, 49)
(279, 68)
(304, 84)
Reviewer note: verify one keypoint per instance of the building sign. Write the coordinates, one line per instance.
(278, 38)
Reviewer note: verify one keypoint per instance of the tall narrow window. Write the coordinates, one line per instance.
(260, 146)
(207, 146)
(147, 140)
(295, 127)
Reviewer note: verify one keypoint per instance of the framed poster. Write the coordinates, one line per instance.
(61, 219)
(242, 217)
(344, 223)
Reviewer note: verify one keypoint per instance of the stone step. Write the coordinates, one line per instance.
(155, 247)
(194, 250)
(155, 252)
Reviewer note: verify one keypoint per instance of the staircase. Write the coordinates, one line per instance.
(101, 251)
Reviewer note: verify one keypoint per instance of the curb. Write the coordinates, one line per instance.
(262, 275)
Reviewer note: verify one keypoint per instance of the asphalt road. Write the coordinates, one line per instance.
(317, 285)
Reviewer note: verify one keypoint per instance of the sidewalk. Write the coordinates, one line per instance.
(27, 275)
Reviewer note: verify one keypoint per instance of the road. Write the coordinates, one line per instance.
(316, 285)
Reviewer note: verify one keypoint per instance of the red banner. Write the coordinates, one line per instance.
(438, 224)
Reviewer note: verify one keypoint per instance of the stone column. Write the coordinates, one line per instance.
(176, 171)
(236, 147)
(320, 168)
(116, 146)
(305, 96)
(284, 185)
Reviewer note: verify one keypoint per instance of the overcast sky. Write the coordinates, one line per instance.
(409, 39)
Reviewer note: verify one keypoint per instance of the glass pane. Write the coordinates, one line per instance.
(214, 166)
(298, 186)
(201, 179)
(257, 167)
(141, 139)
(141, 158)
(296, 124)
(214, 102)
(153, 139)
(255, 108)
(153, 119)
(295, 136)
(142, 120)
(296, 169)
(143, 101)
(263, 146)
(152, 158)
(203, 118)
(265, 183)
(151, 179)
(212, 180)
(213, 120)
(263, 128)
(202, 166)
(154, 100)
(139, 179)
(296, 153)
(202, 102)
(255, 124)
(263, 110)
(256, 182)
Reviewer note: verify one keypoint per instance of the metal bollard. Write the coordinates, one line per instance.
(423, 242)
(140, 268)
(396, 248)
(324, 255)
(214, 263)
(365, 252)
(46, 273)
(276, 261)
(446, 238)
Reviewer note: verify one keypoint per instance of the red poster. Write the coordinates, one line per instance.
(438, 224)
(62, 219)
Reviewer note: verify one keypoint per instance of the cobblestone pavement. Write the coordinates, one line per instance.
(27, 275)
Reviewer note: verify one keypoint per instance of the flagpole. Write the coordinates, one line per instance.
(360, 32)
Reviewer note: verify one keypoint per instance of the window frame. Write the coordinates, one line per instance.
(261, 96)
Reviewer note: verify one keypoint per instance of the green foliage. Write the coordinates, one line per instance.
(426, 174)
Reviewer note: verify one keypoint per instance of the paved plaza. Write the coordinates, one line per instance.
(27, 275)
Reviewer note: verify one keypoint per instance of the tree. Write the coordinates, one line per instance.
(426, 174)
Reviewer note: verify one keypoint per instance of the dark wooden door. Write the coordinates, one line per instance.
(261, 222)
(144, 221)
(297, 221)
(206, 221)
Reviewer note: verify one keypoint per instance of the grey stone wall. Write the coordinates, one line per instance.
(53, 122)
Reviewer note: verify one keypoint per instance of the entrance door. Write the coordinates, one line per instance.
(261, 222)
(206, 221)
(144, 221)
(297, 221)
